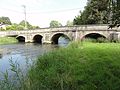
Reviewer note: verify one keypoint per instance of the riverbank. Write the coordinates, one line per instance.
(7, 40)
(80, 66)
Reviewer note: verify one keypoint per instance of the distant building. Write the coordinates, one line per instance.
(3, 26)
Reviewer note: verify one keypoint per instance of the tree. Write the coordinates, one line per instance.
(99, 12)
(5, 20)
(22, 23)
(55, 23)
(35, 27)
(96, 12)
(29, 26)
(15, 27)
(69, 23)
(115, 11)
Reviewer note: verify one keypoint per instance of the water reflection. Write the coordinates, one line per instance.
(1, 55)
(20, 53)
(62, 41)
(24, 51)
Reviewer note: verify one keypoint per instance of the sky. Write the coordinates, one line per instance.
(41, 12)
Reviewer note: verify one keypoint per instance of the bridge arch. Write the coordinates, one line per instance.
(20, 38)
(94, 36)
(55, 37)
(37, 38)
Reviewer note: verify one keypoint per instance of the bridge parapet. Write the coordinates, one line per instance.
(65, 28)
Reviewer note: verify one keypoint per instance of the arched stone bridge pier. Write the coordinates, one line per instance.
(51, 35)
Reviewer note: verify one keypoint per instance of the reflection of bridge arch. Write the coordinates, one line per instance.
(56, 37)
(94, 35)
(37, 38)
(20, 38)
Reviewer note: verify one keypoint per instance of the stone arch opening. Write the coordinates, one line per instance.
(21, 39)
(95, 37)
(37, 39)
(57, 38)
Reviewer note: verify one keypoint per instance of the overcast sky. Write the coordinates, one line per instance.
(41, 12)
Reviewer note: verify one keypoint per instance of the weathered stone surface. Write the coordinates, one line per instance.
(72, 32)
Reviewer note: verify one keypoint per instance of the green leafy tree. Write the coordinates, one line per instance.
(22, 23)
(5, 20)
(99, 12)
(29, 26)
(35, 27)
(96, 12)
(55, 23)
(15, 27)
(69, 23)
(115, 11)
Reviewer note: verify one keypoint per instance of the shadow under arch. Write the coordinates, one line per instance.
(55, 38)
(20, 38)
(93, 36)
(37, 39)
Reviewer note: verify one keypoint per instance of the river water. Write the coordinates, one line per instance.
(24, 52)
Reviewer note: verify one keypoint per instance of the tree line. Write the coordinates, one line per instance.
(21, 26)
(95, 12)
(99, 12)
(14, 26)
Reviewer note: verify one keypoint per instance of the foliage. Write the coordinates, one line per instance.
(7, 40)
(116, 11)
(55, 23)
(22, 23)
(90, 66)
(35, 27)
(5, 20)
(29, 26)
(21, 26)
(102, 40)
(69, 23)
(99, 12)
(2, 29)
(18, 80)
(15, 27)
(98, 40)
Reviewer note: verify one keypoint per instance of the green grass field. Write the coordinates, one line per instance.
(7, 40)
(81, 66)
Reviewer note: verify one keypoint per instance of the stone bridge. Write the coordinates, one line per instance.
(73, 33)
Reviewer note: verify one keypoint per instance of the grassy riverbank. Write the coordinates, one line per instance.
(7, 40)
(86, 66)
(80, 66)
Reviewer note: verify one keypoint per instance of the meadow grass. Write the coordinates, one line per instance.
(80, 66)
(7, 40)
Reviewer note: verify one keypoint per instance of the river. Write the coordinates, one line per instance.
(24, 52)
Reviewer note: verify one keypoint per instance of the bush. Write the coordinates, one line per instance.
(102, 40)
(89, 40)
(98, 40)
